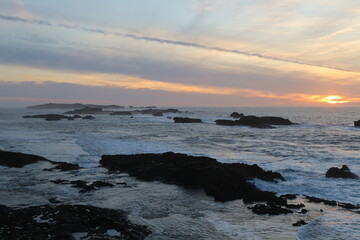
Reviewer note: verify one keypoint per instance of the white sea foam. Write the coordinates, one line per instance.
(301, 153)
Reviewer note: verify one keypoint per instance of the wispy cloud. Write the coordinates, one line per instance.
(167, 41)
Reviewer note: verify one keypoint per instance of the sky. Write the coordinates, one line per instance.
(180, 52)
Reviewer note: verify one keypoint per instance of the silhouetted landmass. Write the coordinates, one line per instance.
(357, 123)
(86, 110)
(186, 120)
(152, 111)
(343, 172)
(72, 106)
(57, 117)
(257, 122)
(64, 221)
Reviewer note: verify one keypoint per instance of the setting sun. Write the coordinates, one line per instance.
(334, 99)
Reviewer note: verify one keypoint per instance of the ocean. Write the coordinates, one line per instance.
(302, 153)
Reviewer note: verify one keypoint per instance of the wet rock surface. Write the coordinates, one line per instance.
(332, 203)
(343, 172)
(83, 185)
(299, 223)
(224, 182)
(18, 160)
(88, 117)
(186, 120)
(66, 221)
(269, 209)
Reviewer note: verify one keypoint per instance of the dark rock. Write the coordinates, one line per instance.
(303, 211)
(60, 222)
(53, 118)
(269, 209)
(332, 203)
(83, 185)
(86, 110)
(60, 181)
(348, 205)
(288, 196)
(227, 122)
(121, 113)
(236, 115)
(343, 172)
(48, 117)
(299, 223)
(100, 184)
(357, 123)
(224, 182)
(295, 206)
(152, 111)
(64, 166)
(257, 122)
(157, 114)
(89, 187)
(186, 120)
(15, 159)
(71, 118)
(88, 117)
(76, 116)
(54, 200)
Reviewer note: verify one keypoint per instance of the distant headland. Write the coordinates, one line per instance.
(72, 106)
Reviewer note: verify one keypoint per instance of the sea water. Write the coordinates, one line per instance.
(302, 153)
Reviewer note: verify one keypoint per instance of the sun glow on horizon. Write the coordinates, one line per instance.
(334, 99)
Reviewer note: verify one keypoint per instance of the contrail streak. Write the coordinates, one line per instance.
(167, 41)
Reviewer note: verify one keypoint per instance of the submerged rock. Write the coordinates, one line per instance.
(186, 120)
(88, 117)
(236, 115)
(224, 182)
(64, 166)
(65, 221)
(343, 172)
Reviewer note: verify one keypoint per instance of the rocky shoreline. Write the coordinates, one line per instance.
(67, 222)
(224, 182)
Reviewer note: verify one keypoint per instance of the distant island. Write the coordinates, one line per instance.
(72, 106)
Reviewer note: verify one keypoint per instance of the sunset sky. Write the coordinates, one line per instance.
(180, 52)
